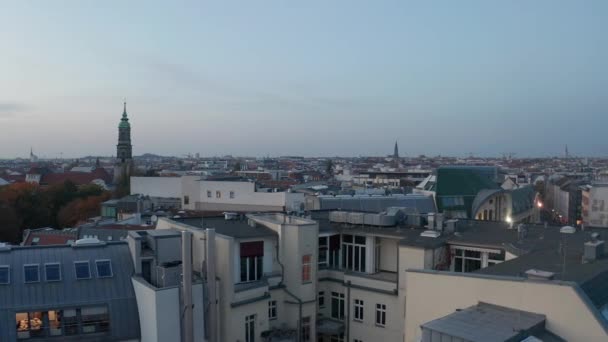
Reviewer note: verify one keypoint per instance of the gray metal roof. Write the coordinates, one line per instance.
(116, 292)
(235, 228)
(488, 323)
(422, 203)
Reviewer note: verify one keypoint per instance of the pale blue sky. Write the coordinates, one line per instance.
(309, 78)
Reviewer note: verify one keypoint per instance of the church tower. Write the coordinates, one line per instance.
(124, 149)
(124, 153)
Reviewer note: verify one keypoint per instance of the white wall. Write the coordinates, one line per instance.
(598, 207)
(156, 186)
(159, 314)
(389, 250)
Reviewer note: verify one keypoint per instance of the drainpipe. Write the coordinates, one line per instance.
(211, 317)
(188, 315)
(299, 326)
(348, 284)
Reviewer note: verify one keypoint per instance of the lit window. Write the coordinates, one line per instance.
(306, 267)
(82, 269)
(5, 275)
(381, 314)
(272, 309)
(358, 310)
(31, 273)
(52, 272)
(231, 194)
(104, 268)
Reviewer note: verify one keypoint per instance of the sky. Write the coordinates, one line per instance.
(312, 78)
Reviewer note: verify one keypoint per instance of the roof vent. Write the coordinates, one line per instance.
(229, 216)
(431, 233)
(539, 275)
(87, 241)
(593, 249)
(567, 230)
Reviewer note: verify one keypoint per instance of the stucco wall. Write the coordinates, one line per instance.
(156, 186)
(158, 312)
(432, 295)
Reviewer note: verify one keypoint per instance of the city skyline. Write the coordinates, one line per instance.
(346, 78)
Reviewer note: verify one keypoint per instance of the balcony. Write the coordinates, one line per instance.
(380, 281)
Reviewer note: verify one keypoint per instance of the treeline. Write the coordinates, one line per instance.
(27, 205)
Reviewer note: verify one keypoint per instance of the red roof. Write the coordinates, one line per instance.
(49, 237)
(79, 178)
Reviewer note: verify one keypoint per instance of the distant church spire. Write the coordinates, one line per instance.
(124, 148)
(396, 152)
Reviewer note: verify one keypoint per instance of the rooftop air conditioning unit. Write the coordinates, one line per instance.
(567, 230)
(431, 233)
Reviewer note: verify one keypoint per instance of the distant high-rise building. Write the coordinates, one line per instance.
(124, 149)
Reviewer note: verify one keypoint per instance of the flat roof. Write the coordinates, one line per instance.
(239, 228)
(488, 323)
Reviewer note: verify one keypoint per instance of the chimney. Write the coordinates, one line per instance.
(431, 220)
(594, 249)
(534, 274)
(439, 222)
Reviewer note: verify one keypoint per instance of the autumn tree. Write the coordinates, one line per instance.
(10, 230)
(81, 209)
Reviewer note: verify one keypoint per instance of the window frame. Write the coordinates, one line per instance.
(339, 299)
(380, 315)
(354, 253)
(99, 261)
(78, 262)
(358, 309)
(232, 194)
(25, 281)
(272, 310)
(321, 299)
(258, 268)
(250, 328)
(306, 268)
(209, 194)
(8, 274)
(218, 194)
(46, 274)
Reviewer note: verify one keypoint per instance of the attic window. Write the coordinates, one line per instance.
(31, 273)
(52, 272)
(82, 269)
(5, 274)
(104, 268)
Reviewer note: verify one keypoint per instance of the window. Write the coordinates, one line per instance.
(358, 310)
(218, 194)
(337, 305)
(252, 255)
(321, 299)
(353, 253)
(490, 216)
(95, 319)
(70, 322)
(186, 200)
(381, 314)
(5, 274)
(231, 194)
(250, 328)
(272, 309)
(208, 193)
(82, 269)
(104, 268)
(34, 324)
(52, 272)
(337, 338)
(452, 201)
(306, 267)
(357, 340)
(467, 260)
(495, 258)
(305, 329)
(31, 273)
(35, 241)
(323, 251)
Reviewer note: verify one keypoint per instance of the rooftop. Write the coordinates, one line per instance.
(238, 228)
(491, 323)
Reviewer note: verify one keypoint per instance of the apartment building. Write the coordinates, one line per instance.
(595, 204)
(78, 292)
(230, 194)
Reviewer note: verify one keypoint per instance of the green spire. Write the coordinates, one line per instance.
(124, 122)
